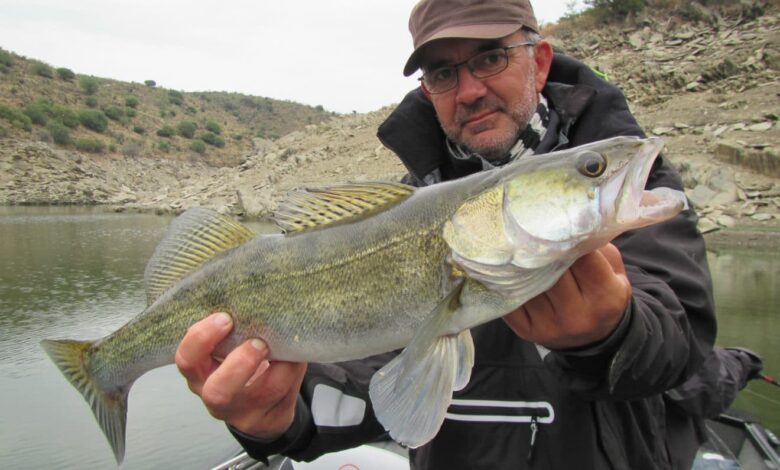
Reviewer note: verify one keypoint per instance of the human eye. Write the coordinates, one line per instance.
(489, 60)
(442, 74)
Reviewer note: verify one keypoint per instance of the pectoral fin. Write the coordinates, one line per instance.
(414, 412)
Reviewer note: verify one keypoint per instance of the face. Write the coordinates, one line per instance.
(487, 115)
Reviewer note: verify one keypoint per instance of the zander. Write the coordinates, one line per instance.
(364, 269)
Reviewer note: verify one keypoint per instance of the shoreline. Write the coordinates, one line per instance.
(764, 237)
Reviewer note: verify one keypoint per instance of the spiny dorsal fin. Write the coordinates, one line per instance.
(193, 238)
(310, 209)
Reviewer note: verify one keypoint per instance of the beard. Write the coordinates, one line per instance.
(498, 145)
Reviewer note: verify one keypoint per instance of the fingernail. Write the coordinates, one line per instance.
(258, 344)
(222, 319)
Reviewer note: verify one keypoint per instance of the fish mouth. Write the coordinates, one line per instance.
(639, 207)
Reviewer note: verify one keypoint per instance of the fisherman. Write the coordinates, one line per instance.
(582, 376)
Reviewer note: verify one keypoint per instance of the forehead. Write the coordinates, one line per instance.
(453, 50)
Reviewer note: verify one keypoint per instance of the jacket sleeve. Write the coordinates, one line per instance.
(333, 412)
(669, 328)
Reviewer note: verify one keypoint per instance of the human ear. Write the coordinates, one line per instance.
(543, 55)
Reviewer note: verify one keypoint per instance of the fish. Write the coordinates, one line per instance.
(365, 268)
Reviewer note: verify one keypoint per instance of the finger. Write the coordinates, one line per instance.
(194, 354)
(230, 378)
(281, 381)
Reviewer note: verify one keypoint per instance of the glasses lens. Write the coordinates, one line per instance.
(488, 63)
(441, 79)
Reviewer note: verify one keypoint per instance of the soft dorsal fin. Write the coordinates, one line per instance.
(193, 238)
(310, 209)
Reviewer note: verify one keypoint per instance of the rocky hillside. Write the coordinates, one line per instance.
(707, 83)
(103, 117)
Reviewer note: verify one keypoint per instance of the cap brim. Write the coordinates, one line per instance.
(476, 31)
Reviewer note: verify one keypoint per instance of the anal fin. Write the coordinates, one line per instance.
(414, 412)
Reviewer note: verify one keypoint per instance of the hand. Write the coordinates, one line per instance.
(244, 390)
(583, 307)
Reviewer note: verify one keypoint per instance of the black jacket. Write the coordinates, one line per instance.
(598, 407)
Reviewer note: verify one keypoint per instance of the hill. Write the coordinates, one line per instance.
(705, 78)
(39, 102)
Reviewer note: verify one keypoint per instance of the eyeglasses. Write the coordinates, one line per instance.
(482, 65)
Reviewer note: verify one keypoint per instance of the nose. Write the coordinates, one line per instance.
(469, 88)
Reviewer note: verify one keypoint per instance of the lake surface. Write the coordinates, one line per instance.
(78, 273)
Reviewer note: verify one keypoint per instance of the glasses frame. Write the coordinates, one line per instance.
(456, 66)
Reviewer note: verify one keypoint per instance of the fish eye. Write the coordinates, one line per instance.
(591, 164)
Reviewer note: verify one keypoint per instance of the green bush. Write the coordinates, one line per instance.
(66, 116)
(607, 9)
(88, 84)
(93, 119)
(16, 117)
(139, 129)
(150, 83)
(86, 144)
(65, 74)
(186, 129)
(91, 101)
(164, 147)
(39, 111)
(131, 101)
(5, 58)
(212, 139)
(114, 113)
(130, 112)
(197, 145)
(212, 126)
(59, 132)
(175, 97)
(42, 70)
(166, 131)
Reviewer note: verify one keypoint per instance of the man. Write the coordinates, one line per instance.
(624, 324)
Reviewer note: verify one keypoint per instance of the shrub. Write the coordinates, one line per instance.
(59, 132)
(42, 70)
(212, 126)
(197, 145)
(131, 101)
(150, 83)
(65, 74)
(93, 119)
(16, 117)
(133, 148)
(113, 112)
(91, 101)
(606, 9)
(130, 112)
(164, 147)
(166, 131)
(139, 129)
(86, 144)
(212, 139)
(5, 58)
(175, 97)
(186, 129)
(66, 116)
(39, 111)
(88, 84)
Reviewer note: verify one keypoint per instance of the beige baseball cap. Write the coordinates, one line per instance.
(471, 19)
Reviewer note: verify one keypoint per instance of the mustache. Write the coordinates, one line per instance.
(464, 112)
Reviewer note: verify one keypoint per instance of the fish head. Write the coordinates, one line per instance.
(571, 202)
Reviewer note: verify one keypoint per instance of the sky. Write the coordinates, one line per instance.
(345, 55)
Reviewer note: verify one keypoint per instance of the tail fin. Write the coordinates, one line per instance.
(108, 405)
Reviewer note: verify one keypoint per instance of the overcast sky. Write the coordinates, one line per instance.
(345, 55)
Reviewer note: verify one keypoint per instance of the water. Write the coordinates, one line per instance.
(77, 273)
